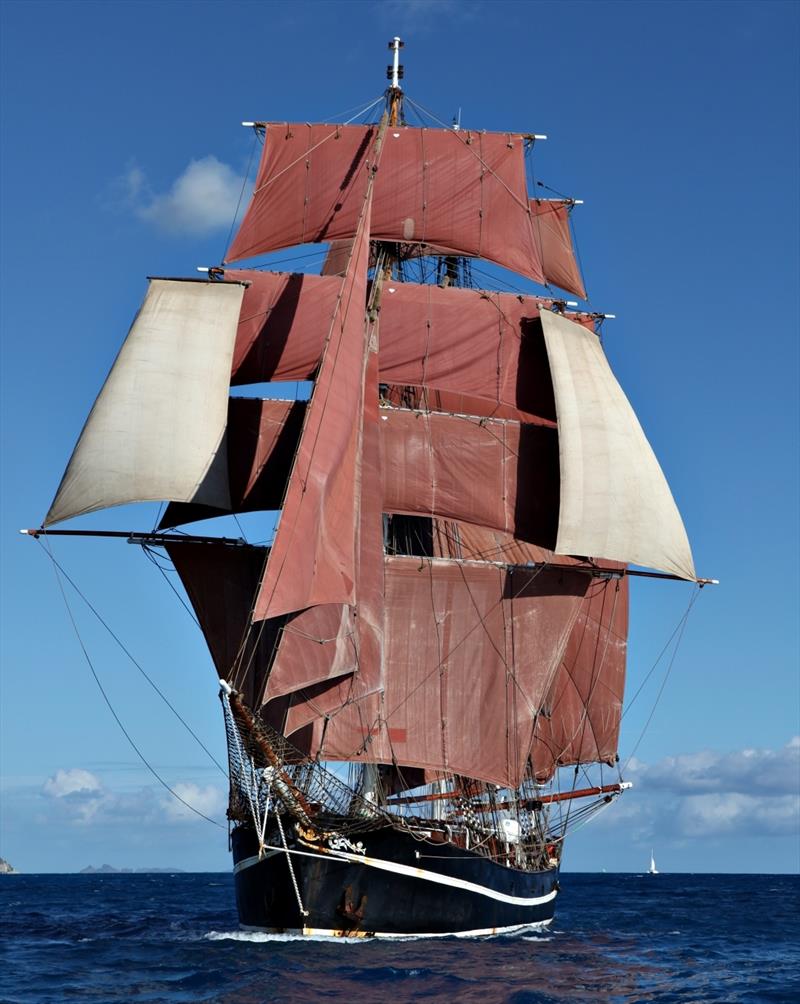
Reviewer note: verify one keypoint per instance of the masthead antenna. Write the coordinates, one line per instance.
(394, 73)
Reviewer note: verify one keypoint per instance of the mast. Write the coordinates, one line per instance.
(394, 73)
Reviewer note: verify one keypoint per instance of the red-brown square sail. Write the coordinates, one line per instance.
(476, 343)
(464, 192)
(584, 706)
(466, 647)
(551, 232)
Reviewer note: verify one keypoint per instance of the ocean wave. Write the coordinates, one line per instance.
(258, 937)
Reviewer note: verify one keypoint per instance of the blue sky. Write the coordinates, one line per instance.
(123, 156)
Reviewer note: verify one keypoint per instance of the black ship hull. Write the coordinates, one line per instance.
(383, 882)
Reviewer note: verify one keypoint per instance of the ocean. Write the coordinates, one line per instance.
(616, 938)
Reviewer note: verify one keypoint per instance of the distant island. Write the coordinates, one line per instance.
(110, 870)
(5, 868)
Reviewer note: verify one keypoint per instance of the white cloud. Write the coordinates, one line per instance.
(79, 797)
(731, 812)
(748, 792)
(747, 771)
(207, 799)
(68, 782)
(132, 185)
(201, 200)
(78, 794)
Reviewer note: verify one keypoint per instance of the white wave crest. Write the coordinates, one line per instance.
(257, 937)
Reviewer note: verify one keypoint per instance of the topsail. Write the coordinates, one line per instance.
(463, 192)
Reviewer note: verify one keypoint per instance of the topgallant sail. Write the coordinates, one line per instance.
(440, 623)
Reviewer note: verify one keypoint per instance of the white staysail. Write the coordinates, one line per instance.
(156, 431)
(615, 500)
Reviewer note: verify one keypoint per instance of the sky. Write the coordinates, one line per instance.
(123, 156)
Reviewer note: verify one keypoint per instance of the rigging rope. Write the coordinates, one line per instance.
(693, 598)
(58, 568)
(302, 909)
(316, 146)
(477, 156)
(148, 765)
(241, 195)
(358, 109)
(270, 263)
(151, 555)
(680, 629)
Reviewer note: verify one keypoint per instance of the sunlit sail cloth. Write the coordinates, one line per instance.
(582, 712)
(280, 336)
(554, 242)
(156, 428)
(464, 192)
(313, 560)
(466, 645)
(490, 472)
(475, 342)
(332, 646)
(615, 501)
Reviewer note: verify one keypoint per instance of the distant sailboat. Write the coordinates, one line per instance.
(652, 870)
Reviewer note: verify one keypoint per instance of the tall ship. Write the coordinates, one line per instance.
(422, 676)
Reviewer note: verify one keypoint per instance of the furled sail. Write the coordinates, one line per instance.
(156, 429)
(615, 501)
(464, 192)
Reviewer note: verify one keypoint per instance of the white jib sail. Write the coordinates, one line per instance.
(156, 431)
(615, 500)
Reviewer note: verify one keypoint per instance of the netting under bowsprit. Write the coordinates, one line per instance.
(268, 774)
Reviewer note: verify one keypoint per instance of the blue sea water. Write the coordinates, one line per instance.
(617, 938)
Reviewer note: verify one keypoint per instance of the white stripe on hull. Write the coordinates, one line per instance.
(320, 932)
(398, 869)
